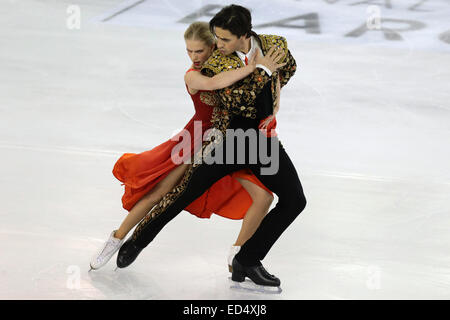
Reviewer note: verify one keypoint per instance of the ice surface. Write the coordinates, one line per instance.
(366, 122)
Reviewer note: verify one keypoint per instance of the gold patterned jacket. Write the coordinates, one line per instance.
(239, 98)
(236, 99)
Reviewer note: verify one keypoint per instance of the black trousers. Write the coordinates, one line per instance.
(284, 182)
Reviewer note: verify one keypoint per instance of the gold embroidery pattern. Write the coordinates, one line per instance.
(239, 99)
(268, 41)
(234, 101)
(218, 63)
(167, 200)
(288, 70)
(209, 98)
(220, 121)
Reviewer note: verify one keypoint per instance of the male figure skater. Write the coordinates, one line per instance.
(241, 107)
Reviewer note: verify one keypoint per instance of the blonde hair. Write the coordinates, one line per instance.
(200, 31)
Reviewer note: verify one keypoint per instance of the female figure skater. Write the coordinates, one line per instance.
(150, 175)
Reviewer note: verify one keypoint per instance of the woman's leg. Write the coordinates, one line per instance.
(257, 211)
(146, 203)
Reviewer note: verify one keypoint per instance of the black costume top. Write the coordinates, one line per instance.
(248, 100)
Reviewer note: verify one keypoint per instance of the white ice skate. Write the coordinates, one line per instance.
(233, 251)
(105, 253)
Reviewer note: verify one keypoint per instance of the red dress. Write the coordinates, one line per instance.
(141, 172)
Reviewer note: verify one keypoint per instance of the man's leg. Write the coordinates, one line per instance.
(194, 184)
(291, 202)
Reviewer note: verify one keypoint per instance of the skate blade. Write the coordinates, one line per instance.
(249, 286)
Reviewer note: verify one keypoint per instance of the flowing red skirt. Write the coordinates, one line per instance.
(141, 172)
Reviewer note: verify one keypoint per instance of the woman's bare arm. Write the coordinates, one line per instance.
(197, 81)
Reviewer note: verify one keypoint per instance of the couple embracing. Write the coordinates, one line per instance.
(234, 82)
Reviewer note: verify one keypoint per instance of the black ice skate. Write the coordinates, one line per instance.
(262, 281)
(127, 254)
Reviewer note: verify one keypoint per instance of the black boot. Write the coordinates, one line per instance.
(257, 274)
(127, 253)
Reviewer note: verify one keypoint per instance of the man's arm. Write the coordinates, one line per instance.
(288, 70)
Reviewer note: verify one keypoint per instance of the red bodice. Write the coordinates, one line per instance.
(203, 111)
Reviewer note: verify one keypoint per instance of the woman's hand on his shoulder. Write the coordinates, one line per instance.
(253, 61)
(271, 59)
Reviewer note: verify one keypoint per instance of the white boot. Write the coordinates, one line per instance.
(233, 251)
(105, 253)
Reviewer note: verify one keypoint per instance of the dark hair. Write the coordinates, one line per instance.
(235, 19)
